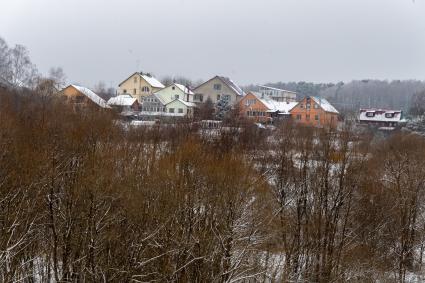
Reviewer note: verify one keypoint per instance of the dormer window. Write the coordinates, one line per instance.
(145, 89)
(173, 88)
(389, 115)
(217, 86)
(370, 114)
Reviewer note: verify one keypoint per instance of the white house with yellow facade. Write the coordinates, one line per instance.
(139, 85)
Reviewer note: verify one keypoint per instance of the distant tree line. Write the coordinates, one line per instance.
(350, 97)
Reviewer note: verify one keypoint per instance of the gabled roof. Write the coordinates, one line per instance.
(323, 103)
(188, 104)
(379, 115)
(159, 98)
(154, 95)
(122, 100)
(91, 95)
(237, 90)
(183, 88)
(275, 106)
(150, 80)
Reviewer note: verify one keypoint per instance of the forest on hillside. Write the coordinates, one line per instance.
(84, 199)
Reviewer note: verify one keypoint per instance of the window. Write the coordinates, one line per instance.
(217, 86)
(389, 115)
(125, 91)
(308, 106)
(145, 89)
(176, 96)
(315, 106)
(298, 116)
(370, 114)
(227, 97)
(171, 110)
(250, 102)
(134, 91)
(218, 97)
(301, 105)
(173, 88)
(180, 110)
(307, 117)
(199, 97)
(316, 117)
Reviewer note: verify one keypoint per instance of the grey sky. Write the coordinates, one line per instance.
(250, 41)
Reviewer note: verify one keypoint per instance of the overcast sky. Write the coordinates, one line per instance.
(251, 41)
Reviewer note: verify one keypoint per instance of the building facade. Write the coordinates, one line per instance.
(315, 111)
(217, 88)
(381, 118)
(153, 104)
(139, 85)
(124, 102)
(175, 91)
(264, 110)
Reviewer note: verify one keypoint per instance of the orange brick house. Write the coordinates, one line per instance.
(315, 111)
(259, 108)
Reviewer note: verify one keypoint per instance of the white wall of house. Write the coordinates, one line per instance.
(179, 108)
(214, 90)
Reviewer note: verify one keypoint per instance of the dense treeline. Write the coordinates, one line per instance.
(351, 96)
(84, 199)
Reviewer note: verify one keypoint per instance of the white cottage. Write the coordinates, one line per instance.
(180, 108)
(175, 91)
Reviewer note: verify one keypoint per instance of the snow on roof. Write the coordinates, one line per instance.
(381, 115)
(186, 103)
(274, 88)
(276, 106)
(232, 85)
(152, 81)
(159, 97)
(184, 88)
(92, 96)
(166, 114)
(122, 100)
(324, 104)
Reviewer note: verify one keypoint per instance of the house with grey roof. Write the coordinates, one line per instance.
(217, 88)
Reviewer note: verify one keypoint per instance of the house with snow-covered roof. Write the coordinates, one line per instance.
(260, 108)
(315, 111)
(381, 118)
(139, 85)
(83, 96)
(217, 88)
(175, 91)
(179, 107)
(124, 102)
